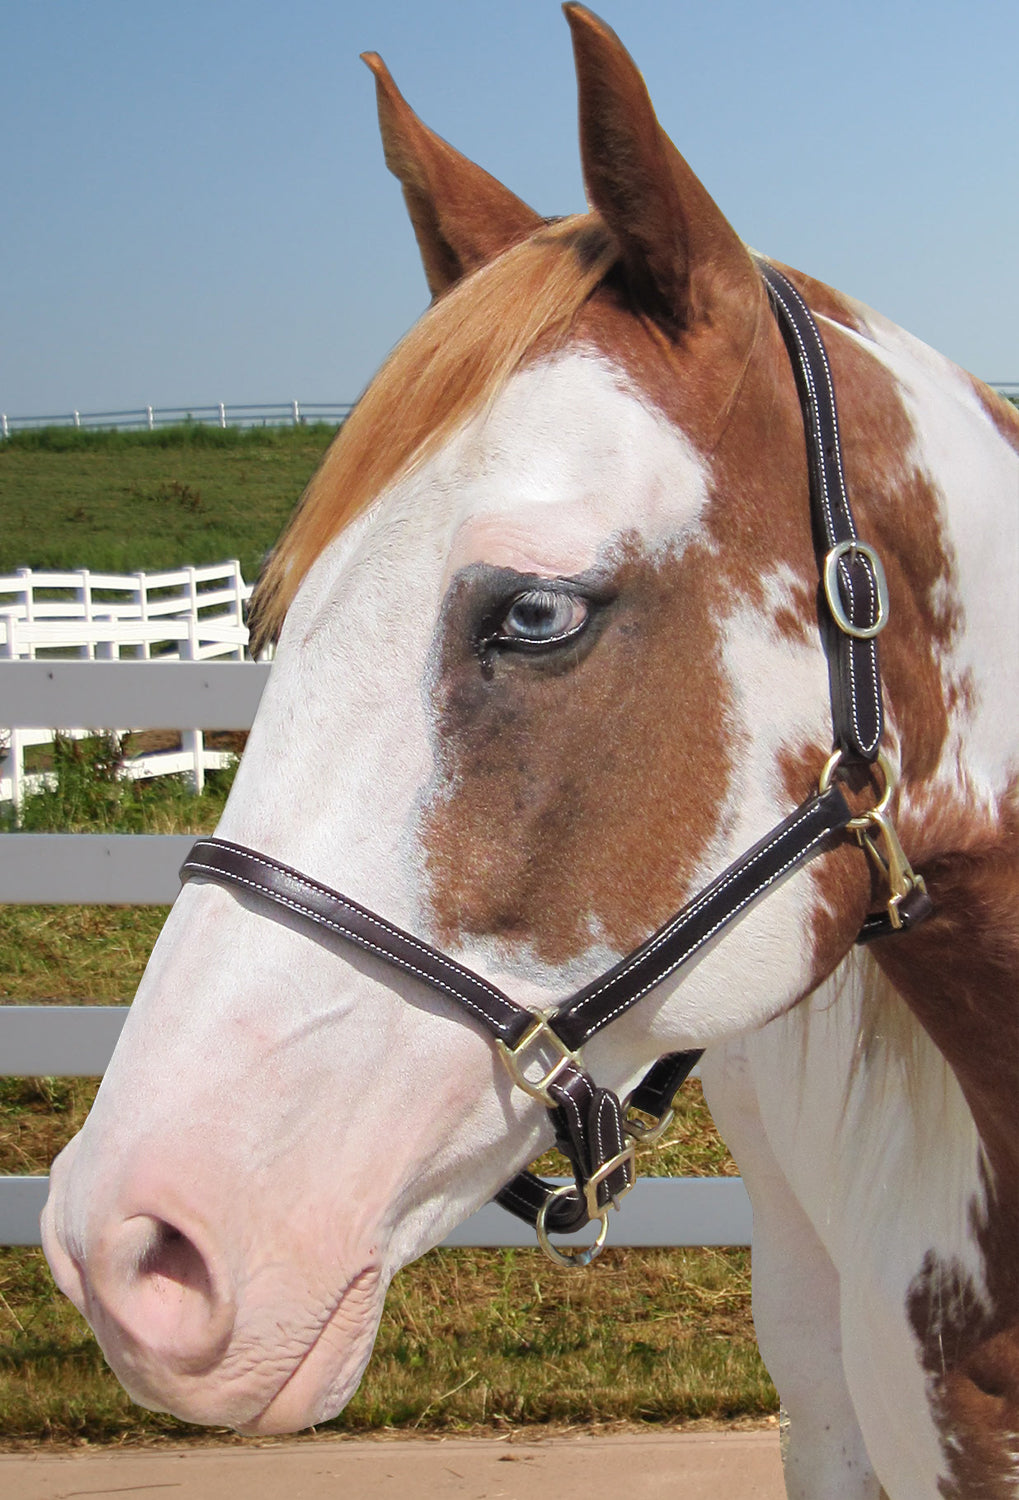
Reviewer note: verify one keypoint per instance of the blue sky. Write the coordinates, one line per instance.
(195, 206)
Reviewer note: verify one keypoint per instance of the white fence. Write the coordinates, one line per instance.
(265, 414)
(187, 614)
(139, 869)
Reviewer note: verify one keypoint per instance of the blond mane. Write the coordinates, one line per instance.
(449, 366)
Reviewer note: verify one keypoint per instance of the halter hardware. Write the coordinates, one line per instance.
(853, 549)
(571, 1257)
(622, 1159)
(646, 1131)
(889, 776)
(908, 902)
(879, 838)
(592, 1127)
(540, 1034)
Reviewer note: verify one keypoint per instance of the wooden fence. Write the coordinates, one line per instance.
(59, 1039)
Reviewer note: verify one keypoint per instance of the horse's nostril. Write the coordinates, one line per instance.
(170, 1257)
(158, 1285)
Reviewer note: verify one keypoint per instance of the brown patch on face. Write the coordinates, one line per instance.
(1002, 413)
(575, 793)
(731, 389)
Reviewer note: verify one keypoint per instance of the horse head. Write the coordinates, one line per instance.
(547, 662)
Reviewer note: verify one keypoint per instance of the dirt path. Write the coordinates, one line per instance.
(698, 1466)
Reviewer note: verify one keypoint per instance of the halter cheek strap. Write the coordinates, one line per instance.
(597, 1133)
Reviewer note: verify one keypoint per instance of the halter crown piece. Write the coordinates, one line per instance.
(598, 1133)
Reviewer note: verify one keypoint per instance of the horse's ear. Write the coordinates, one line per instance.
(462, 216)
(677, 247)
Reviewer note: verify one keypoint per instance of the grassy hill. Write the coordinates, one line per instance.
(122, 501)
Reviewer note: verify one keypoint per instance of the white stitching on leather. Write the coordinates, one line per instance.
(354, 937)
(831, 395)
(752, 896)
(684, 917)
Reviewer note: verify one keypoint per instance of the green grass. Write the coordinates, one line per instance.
(124, 501)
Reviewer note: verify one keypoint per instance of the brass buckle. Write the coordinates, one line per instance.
(879, 838)
(834, 598)
(648, 1130)
(541, 1032)
(572, 1256)
(627, 1157)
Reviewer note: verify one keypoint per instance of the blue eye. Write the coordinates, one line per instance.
(543, 617)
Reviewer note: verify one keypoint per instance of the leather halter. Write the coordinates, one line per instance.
(597, 1132)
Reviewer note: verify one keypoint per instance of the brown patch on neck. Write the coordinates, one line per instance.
(570, 804)
(959, 973)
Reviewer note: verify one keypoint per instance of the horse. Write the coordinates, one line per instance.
(556, 644)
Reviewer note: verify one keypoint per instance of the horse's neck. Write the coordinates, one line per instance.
(945, 514)
(959, 974)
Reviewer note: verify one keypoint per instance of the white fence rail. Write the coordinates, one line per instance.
(219, 414)
(136, 869)
(262, 414)
(186, 614)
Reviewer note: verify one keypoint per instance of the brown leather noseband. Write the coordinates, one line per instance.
(595, 1130)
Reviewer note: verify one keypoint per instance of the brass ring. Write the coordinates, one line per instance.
(891, 780)
(574, 1257)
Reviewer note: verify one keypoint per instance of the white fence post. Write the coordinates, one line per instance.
(28, 599)
(192, 741)
(141, 592)
(149, 416)
(222, 415)
(84, 592)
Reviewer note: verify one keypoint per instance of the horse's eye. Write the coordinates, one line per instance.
(542, 617)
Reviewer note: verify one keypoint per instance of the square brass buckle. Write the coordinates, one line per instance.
(626, 1157)
(538, 1035)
